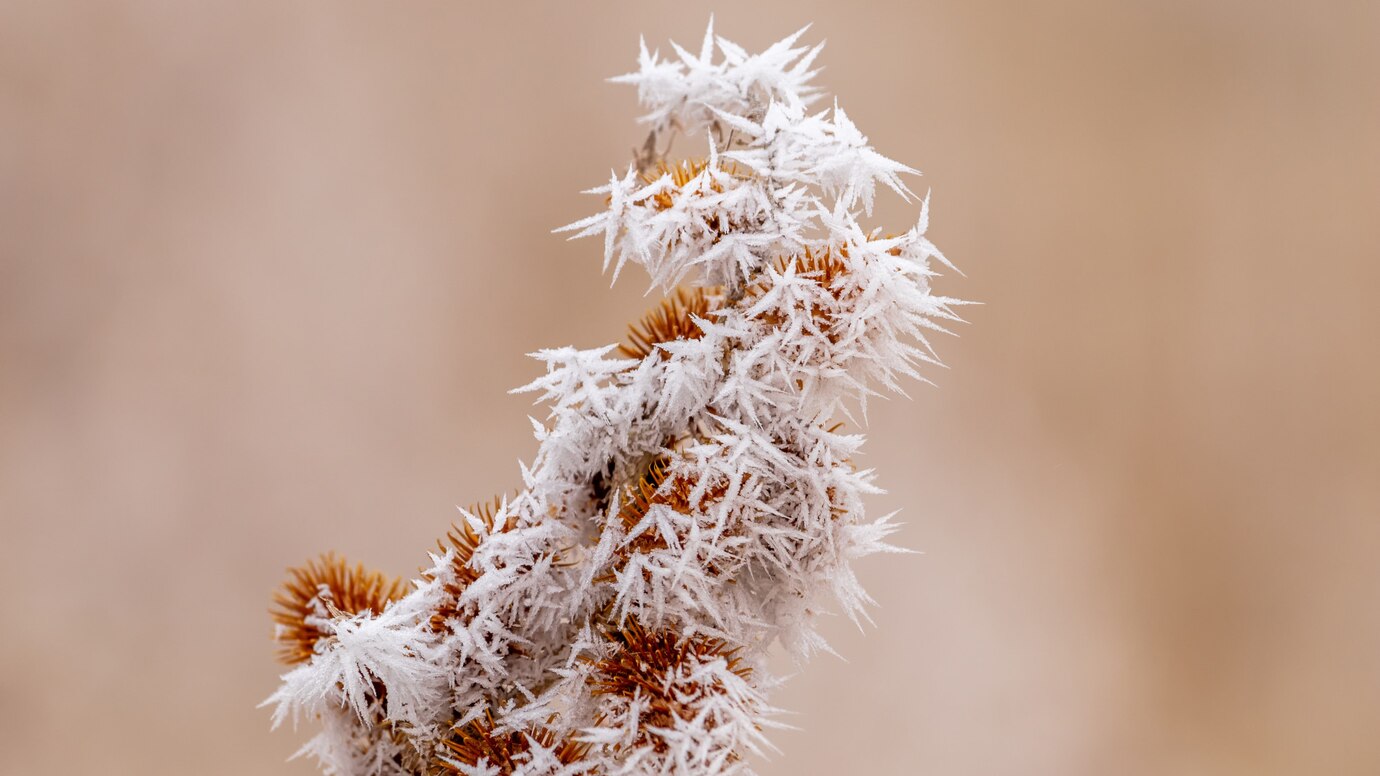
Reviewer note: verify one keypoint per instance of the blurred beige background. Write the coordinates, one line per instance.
(267, 270)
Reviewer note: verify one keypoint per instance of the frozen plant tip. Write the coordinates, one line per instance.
(693, 502)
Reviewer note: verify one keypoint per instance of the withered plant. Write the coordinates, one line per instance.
(693, 503)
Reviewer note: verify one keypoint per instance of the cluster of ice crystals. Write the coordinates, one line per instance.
(689, 508)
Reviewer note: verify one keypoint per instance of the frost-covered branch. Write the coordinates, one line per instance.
(693, 502)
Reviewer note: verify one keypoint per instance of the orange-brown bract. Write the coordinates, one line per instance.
(463, 540)
(648, 664)
(824, 268)
(649, 490)
(673, 319)
(327, 580)
(479, 741)
(681, 174)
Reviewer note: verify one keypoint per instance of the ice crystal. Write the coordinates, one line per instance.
(692, 504)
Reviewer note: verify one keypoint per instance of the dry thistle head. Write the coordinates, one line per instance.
(462, 540)
(657, 667)
(651, 489)
(640, 496)
(323, 588)
(672, 319)
(692, 187)
(681, 174)
(659, 486)
(821, 265)
(824, 267)
(481, 742)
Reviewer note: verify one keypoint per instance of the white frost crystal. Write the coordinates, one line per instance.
(692, 502)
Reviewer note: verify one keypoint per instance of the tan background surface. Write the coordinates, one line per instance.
(267, 271)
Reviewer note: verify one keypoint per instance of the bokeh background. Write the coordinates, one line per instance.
(268, 269)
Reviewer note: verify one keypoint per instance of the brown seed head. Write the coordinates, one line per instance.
(650, 489)
(681, 174)
(649, 664)
(673, 319)
(326, 583)
(463, 539)
(479, 741)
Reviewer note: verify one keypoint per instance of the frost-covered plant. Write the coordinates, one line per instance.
(693, 501)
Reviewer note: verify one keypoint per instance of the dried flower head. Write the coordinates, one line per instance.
(675, 318)
(320, 590)
(481, 745)
(459, 544)
(669, 680)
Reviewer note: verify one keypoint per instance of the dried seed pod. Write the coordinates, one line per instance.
(320, 590)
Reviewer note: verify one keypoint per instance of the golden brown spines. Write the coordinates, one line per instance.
(326, 584)
(673, 319)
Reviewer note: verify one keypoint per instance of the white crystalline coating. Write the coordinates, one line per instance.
(751, 509)
(688, 91)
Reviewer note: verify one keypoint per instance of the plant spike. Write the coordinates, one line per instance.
(693, 503)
